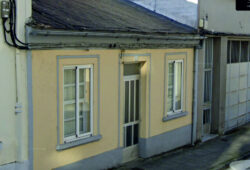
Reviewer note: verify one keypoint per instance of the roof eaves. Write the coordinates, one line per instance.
(216, 33)
(117, 34)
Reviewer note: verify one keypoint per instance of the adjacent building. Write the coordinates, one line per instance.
(13, 93)
(225, 104)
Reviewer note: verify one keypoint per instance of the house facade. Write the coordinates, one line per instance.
(13, 93)
(119, 81)
(105, 87)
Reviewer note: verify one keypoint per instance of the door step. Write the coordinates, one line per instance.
(209, 137)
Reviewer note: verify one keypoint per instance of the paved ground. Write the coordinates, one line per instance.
(214, 154)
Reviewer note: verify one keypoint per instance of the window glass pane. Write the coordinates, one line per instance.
(178, 85)
(69, 111)
(209, 53)
(207, 86)
(126, 100)
(69, 93)
(244, 51)
(69, 103)
(70, 128)
(235, 52)
(132, 101)
(137, 99)
(69, 84)
(170, 87)
(84, 100)
(69, 120)
(131, 69)
(84, 118)
(69, 76)
(82, 81)
(228, 52)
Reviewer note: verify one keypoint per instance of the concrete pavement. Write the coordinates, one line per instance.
(214, 154)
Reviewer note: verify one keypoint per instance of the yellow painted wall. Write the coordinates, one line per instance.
(44, 74)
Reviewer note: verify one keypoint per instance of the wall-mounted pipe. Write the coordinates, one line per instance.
(195, 95)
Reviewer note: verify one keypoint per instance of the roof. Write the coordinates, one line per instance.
(102, 15)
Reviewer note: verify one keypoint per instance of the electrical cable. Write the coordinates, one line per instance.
(4, 33)
(14, 10)
(15, 42)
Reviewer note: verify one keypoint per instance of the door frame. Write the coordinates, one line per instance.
(131, 152)
(145, 97)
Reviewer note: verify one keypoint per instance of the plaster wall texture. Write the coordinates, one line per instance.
(223, 17)
(44, 75)
(14, 127)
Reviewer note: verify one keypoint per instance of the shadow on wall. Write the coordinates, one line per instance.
(183, 11)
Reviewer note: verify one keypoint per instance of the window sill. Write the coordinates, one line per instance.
(78, 142)
(174, 116)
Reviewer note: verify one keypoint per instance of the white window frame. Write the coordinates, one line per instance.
(182, 85)
(78, 136)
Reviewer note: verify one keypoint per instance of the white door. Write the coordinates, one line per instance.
(131, 118)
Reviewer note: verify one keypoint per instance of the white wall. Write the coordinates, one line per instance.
(14, 127)
(223, 17)
(184, 11)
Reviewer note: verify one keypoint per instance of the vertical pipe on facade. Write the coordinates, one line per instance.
(18, 110)
(194, 125)
(17, 77)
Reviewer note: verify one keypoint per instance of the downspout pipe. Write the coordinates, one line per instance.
(195, 95)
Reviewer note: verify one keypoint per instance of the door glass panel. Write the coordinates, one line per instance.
(136, 133)
(206, 116)
(126, 100)
(178, 85)
(208, 55)
(137, 99)
(207, 86)
(132, 101)
(128, 136)
(131, 125)
(206, 121)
